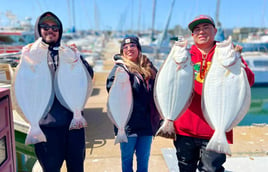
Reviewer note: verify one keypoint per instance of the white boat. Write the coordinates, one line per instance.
(258, 63)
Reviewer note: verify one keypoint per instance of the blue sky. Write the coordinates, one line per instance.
(137, 14)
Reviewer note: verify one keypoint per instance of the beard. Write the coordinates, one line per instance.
(50, 38)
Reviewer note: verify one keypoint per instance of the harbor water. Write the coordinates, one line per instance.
(258, 112)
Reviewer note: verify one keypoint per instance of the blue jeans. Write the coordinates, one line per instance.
(141, 146)
(192, 154)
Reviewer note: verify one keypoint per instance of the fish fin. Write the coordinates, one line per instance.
(121, 137)
(218, 143)
(167, 130)
(77, 123)
(35, 135)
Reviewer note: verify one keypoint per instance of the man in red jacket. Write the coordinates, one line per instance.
(192, 130)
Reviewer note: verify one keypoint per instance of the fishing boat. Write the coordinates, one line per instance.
(254, 46)
(258, 63)
(11, 43)
(255, 41)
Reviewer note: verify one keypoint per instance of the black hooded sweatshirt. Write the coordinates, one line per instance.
(58, 115)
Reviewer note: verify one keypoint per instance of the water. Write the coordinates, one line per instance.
(25, 162)
(25, 154)
(258, 112)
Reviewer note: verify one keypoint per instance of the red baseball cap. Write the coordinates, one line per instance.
(200, 19)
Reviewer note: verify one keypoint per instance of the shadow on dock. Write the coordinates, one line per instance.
(99, 128)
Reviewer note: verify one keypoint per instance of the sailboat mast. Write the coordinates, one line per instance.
(73, 29)
(217, 12)
(139, 18)
(164, 34)
(96, 16)
(152, 36)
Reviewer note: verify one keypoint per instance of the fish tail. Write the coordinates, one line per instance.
(167, 130)
(218, 143)
(78, 123)
(121, 137)
(35, 135)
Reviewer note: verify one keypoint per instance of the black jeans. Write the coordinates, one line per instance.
(192, 154)
(62, 144)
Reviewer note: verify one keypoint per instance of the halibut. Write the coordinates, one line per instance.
(120, 103)
(73, 85)
(33, 88)
(226, 95)
(174, 87)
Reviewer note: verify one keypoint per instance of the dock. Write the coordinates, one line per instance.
(102, 155)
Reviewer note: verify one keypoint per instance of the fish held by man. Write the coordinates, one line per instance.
(73, 89)
(226, 94)
(33, 89)
(174, 87)
(120, 103)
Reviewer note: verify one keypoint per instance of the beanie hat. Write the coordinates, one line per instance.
(130, 39)
(49, 17)
(200, 19)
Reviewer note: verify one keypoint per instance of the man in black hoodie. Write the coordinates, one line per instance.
(62, 143)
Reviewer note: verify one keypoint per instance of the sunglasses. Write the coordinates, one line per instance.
(47, 27)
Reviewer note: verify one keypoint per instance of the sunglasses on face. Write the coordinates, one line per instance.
(46, 27)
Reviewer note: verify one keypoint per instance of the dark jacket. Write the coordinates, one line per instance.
(58, 115)
(144, 120)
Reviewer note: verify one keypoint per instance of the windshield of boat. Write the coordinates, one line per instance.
(257, 63)
(261, 63)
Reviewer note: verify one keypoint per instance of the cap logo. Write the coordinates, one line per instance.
(202, 16)
(127, 41)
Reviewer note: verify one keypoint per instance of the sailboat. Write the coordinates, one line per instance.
(160, 46)
(220, 33)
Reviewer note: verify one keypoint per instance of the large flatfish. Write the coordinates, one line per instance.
(173, 87)
(120, 103)
(226, 94)
(73, 84)
(33, 88)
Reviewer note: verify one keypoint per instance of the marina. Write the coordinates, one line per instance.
(250, 147)
(251, 135)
